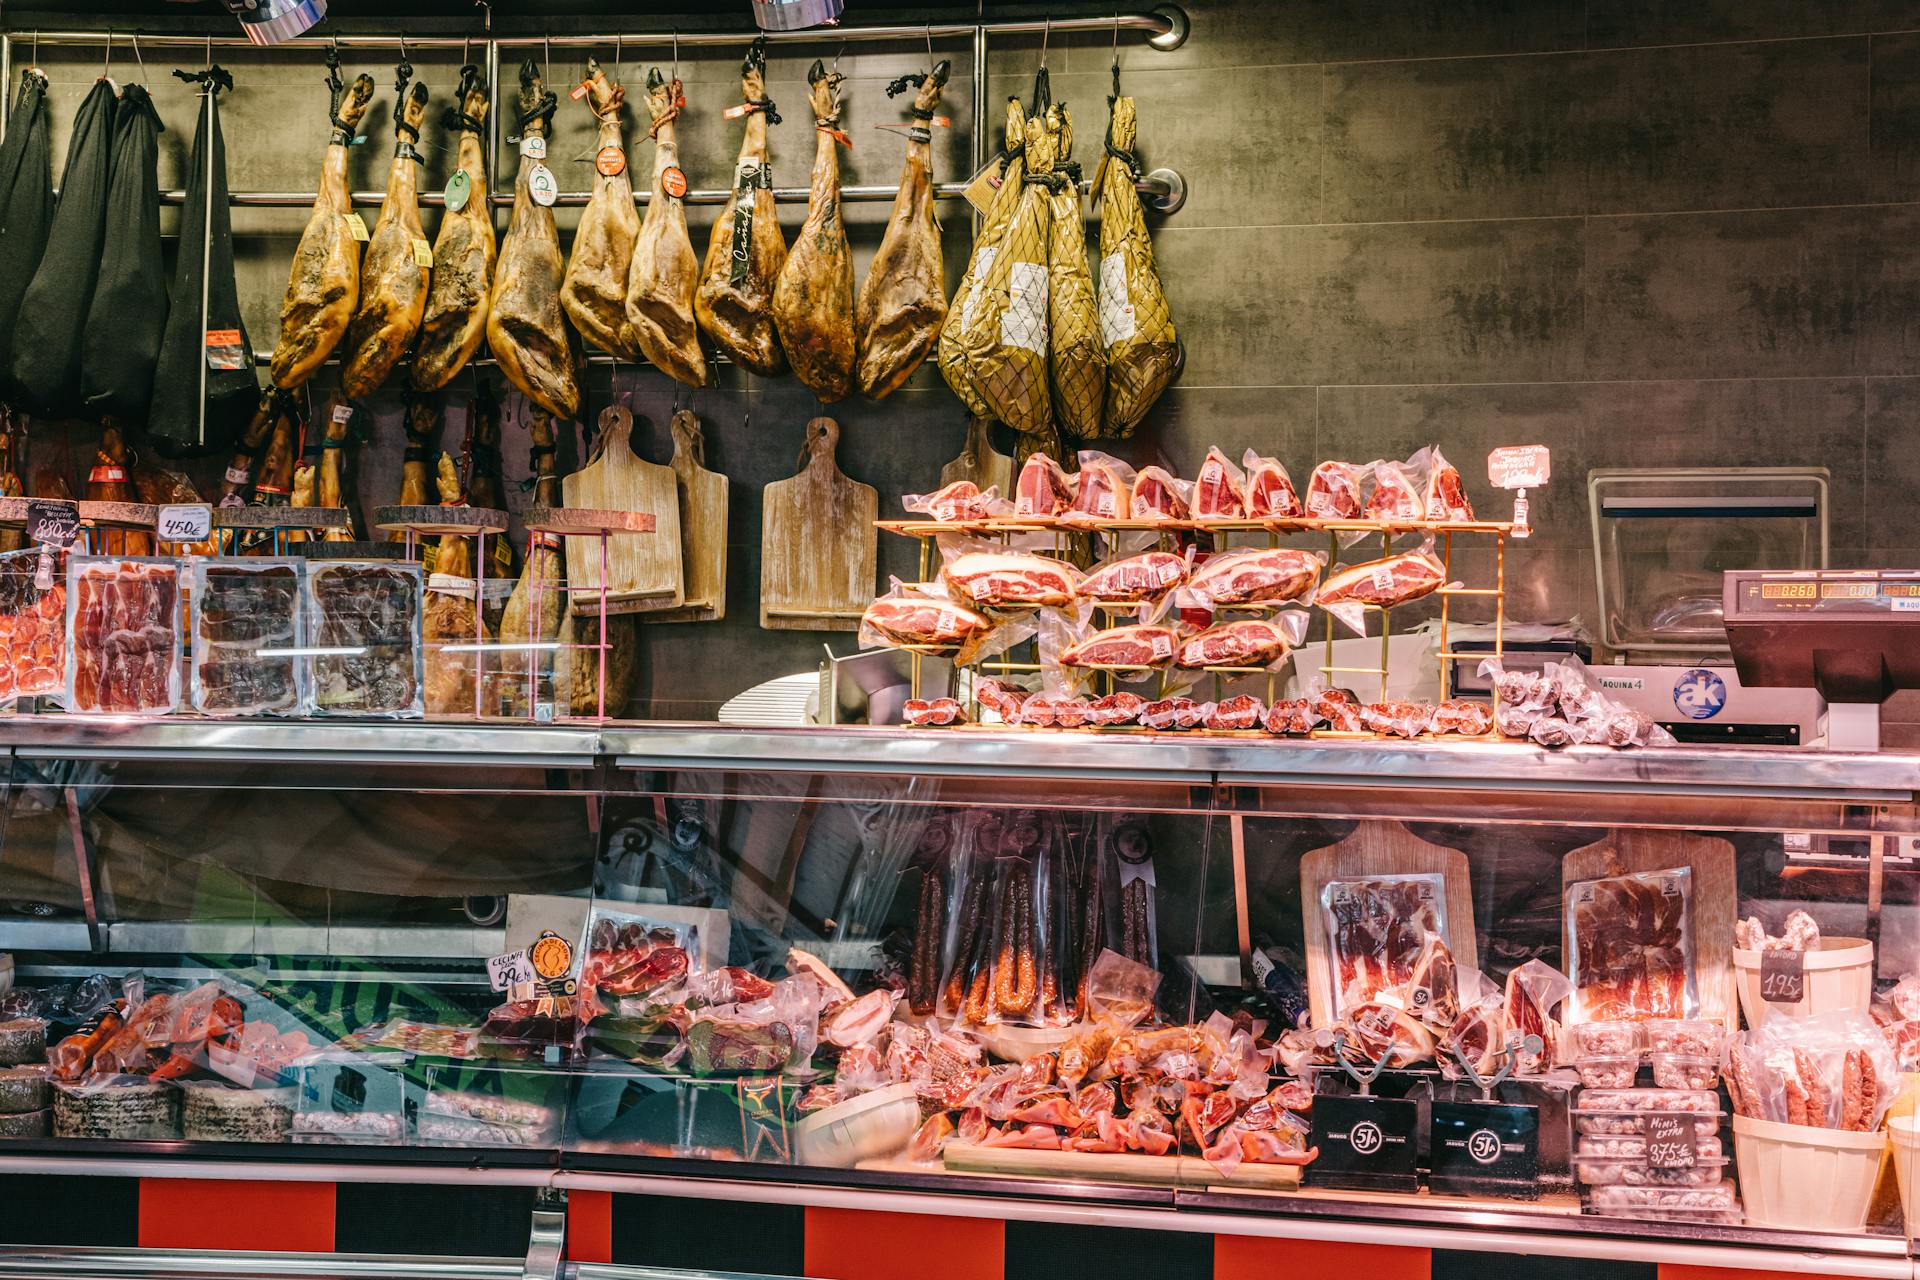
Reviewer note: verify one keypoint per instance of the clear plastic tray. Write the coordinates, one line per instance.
(1633, 1146)
(1701, 1037)
(1698, 1100)
(1608, 1072)
(1685, 1071)
(1605, 1039)
(1638, 1173)
(1600, 1123)
(1717, 1204)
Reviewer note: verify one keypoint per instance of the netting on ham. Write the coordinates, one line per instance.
(126, 638)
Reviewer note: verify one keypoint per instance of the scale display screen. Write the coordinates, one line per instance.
(1771, 594)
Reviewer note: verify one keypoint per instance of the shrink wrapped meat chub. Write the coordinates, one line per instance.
(904, 299)
(121, 342)
(1077, 364)
(813, 303)
(664, 273)
(204, 385)
(324, 287)
(595, 290)
(463, 252)
(26, 197)
(45, 370)
(1143, 352)
(734, 303)
(965, 305)
(526, 325)
(394, 274)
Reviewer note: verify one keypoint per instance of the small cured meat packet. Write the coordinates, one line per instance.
(1631, 938)
(33, 623)
(1158, 495)
(957, 503)
(1270, 491)
(123, 621)
(1398, 492)
(1137, 578)
(1377, 929)
(1220, 489)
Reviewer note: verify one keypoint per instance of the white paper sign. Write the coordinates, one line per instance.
(189, 522)
(509, 970)
(1521, 466)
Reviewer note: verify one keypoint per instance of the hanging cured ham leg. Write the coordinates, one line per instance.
(534, 610)
(904, 300)
(324, 288)
(734, 303)
(813, 303)
(463, 252)
(393, 283)
(664, 273)
(595, 291)
(526, 325)
(986, 246)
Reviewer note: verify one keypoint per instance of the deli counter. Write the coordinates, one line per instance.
(1322, 990)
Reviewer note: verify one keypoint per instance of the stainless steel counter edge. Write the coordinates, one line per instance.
(1012, 754)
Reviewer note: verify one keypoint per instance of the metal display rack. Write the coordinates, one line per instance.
(1270, 533)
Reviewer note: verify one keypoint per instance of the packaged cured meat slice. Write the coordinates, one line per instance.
(1242, 711)
(1061, 711)
(1533, 991)
(1173, 713)
(1044, 489)
(1333, 492)
(933, 711)
(1397, 719)
(1158, 495)
(1103, 490)
(1270, 491)
(1003, 700)
(245, 625)
(918, 615)
(1147, 576)
(1630, 946)
(1248, 642)
(999, 578)
(1446, 494)
(1377, 929)
(1398, 493)
(1131, 646)
(364, 617)
(33, 623)
(1339, 709)
(959, 501)
(1254, 575)
(1220, 489)
(1290, 716)
(123, 614)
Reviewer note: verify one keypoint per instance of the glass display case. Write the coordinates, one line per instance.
(1491, 989)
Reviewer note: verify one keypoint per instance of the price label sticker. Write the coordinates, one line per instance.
(513, 969)
(343, 413)
(459, 190)
(610, 161)
(224, 350)
(422, 252)
(1523, 466)
(981, 186)
(1783, 977)
(533, 147)
(673, 181)
(53, 522)
(541, 186)
(356, 226)
(187, 522)
(580, 90)
(1670, 1142)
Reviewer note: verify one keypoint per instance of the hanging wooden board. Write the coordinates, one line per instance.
(1716, 901)
(979, 463)
(817, 542)
(703, 526)
(1379, 847)
(644, 572)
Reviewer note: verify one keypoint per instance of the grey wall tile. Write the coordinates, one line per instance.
(1793, 293)
(1896, 117)
(1892, 467)
(1643, 22)
(1278, 421)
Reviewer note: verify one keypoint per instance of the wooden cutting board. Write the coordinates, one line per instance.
(1716, 901)
(644, 572)
(979, 463)
(703, 526)
(1379, 847)
(817, 549)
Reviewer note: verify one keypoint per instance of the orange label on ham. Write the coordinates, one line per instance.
(673, 182)
(610, 161)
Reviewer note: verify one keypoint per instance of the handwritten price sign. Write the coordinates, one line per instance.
(1670, 1142)
(189, 522)
(1783, 977)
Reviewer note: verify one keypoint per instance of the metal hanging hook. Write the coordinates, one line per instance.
(1046, 37)
(106, 63)
(676, 55)
(139, 57)
(929, 45)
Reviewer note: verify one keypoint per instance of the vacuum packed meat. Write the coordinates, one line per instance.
(1396, 493)
(1270, 491)
(1142, 577)
(1136, 646)
(239, 611)
(33, 626)
(1012, 578)
(1446, 497)
(1101, 491)
(1333, 492)
(124, 617)
(906, 618)
(1249, 642)
(1157, 495)
(1256, 574)
(1378, 929)
(373, 609)
(1394, 580)
(1631, 945)
(1044, 489)
(1220, 490)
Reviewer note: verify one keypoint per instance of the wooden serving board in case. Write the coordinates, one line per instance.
(1716, 901)
(817, 542)
(703, 526)
(644, 572)
(1131, 1166)
(979, 463)
(1378, 847)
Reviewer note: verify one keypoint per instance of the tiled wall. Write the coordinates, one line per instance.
(1672, 233)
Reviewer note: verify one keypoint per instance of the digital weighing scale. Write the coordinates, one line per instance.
(1853, 636)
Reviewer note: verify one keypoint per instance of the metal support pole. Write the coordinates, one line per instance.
(206, 272)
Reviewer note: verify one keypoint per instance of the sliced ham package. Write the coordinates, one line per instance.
(1132, 579)
(1160, 495)
(1103, 490)
(1631, 947)
(1270, 491)
(1378, 930)
(242, 610)
(957, 502)
(123, 614)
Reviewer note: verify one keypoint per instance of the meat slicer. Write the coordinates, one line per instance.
(1663, 541)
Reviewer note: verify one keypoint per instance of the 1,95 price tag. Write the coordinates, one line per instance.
(509, 970)
(1783, 977)
(189, 522)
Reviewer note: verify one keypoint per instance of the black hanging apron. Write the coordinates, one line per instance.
(121, 341)
(220, 345)
(26, 199)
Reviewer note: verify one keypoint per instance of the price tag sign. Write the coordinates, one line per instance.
(1523, 466)
(356, 226)
(459, 189)
(188, 522)
(515, 968)
(224, 350)
(981, 187)
(1670, 1142)
(52, 522)
(1783, 977)
(610, 161)
(343, 413)
(541, 186)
